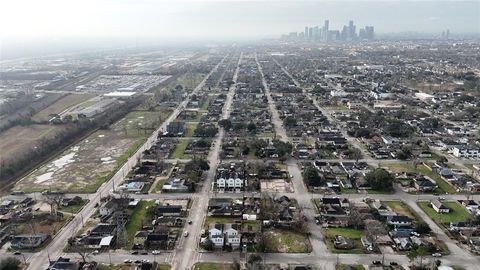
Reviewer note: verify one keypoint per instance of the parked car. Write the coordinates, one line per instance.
(185, 234)
(437, 254)
(155, 252)
(134, 252)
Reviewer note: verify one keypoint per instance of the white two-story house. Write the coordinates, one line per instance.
(230, 184)
(215, 233)
(232, 235)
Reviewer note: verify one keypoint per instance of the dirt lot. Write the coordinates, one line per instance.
(62, 105)
(89, 163)
(16, 141)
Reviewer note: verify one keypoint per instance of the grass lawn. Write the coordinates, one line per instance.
(108, 267)
(73, 208)
(408, 167)
(179, 150)
(348, 190)
(457, 212)
(213, 266)
(401, 208)
(442, 184)
(135, 222)
(159, 184)
(283, 241)
(353, 234)
(355, 266)
(204, 105)
(191, 126)
(212, 220)
(379, 191)
(120, 266)
(399, 166)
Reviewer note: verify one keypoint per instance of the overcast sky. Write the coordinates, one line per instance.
(226, 18)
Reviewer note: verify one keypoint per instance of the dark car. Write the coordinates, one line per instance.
(376, 262)
(134, 252)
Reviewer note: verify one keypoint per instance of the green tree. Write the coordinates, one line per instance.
(207, 245)
(380, 179)
(422, 227)
(10, 263)
(290, 121)
(225, 123)
(418, 252)
(312, 177)
(251, 127)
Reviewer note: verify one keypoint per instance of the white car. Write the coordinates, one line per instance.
(155, 252)
(185, 234)
(436, 255)
(127, 261)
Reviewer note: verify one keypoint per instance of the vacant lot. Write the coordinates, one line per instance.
(284, 241)
(62, 105)
(17, 141)
(136, 220)
(401, 208)
(457, 212)
(89, 163)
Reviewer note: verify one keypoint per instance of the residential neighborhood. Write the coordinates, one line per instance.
(323, 149)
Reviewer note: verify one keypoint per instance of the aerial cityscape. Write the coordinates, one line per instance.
(331, 143)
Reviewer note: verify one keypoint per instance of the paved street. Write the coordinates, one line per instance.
(187, 251)
(55, 248)
(186, 254)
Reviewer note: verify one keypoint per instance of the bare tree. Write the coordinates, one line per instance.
(357, 154)
(355, 218)
(55, 201)
(82, 251)
(374, 229)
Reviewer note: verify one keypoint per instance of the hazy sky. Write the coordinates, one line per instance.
(225, 18)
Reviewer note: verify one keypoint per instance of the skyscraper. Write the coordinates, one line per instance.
(325, 30)
(351, 33)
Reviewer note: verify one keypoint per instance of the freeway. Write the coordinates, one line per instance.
(54, 249)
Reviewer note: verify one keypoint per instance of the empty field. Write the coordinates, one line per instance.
(61, 105)
(17, 141)
(284, 241)
(86, 165)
